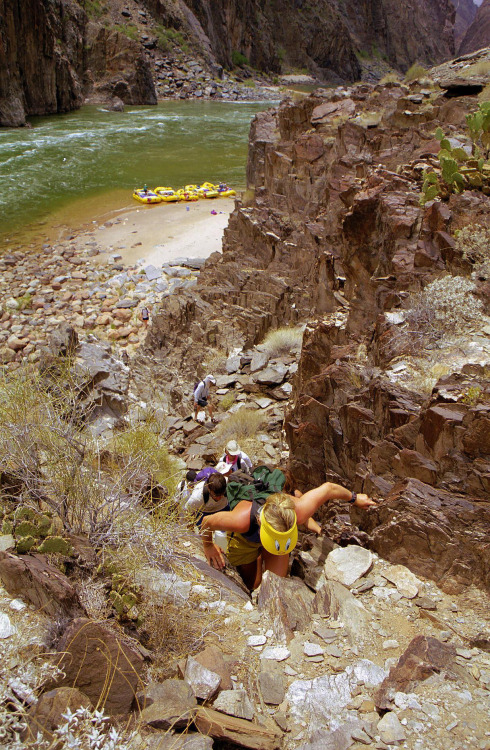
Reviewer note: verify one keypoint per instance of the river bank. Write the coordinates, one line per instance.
(100, 278)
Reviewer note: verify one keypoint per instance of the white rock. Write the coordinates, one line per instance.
(390, 730)
(234, 703)
(276, 653)
(347, 564)
(390, 644)
(17, 605)
(7, 541)
(312, 649)
(203, 681)
(405, 581)
(406, 700)
(248, 607)
(256, 640)
(6, 627)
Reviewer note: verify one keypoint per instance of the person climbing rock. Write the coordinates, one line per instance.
(261, 536)
(202, 396)
(237, 458)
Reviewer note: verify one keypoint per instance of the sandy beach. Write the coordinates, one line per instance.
(163, 232)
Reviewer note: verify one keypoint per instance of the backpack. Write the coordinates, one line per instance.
(262, 483)
(195, 385)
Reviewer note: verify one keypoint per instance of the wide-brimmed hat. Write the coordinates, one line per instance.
(210, 379)
(223, 467)
(232, 448)
(277, 542)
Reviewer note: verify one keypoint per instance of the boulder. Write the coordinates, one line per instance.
(167, 705)
(41, 584)
(46, 715)
(287, 603)
(102, 664)
(425, 656)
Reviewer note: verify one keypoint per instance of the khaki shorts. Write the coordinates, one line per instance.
(241, 551)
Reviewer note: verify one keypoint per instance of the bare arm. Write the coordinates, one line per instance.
(308, 503)
(237, 519)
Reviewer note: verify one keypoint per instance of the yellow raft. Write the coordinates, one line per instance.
(143, 195)
(167, 194)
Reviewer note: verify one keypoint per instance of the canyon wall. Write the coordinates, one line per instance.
(478, 34)
(41, 58)
(51, 57)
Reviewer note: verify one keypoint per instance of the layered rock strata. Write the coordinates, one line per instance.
(332, 230)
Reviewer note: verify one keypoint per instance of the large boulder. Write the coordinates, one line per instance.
(31, 577)
(102, 664)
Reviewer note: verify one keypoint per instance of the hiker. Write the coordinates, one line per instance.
(208, 496)
(201, 396)
(185, 486)
(237, 458)
(262, 536)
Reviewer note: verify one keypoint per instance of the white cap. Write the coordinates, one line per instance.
(223, 467)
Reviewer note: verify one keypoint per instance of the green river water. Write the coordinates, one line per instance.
(71, 168)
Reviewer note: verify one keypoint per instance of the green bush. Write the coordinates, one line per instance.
(238, 59)
(127, 29)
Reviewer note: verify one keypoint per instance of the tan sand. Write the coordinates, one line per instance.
(164, 232)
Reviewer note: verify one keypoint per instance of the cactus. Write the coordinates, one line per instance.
(7, 526)
(56, 545)
(44, 525)
(25, 544)
(451, 175)
(117, 603)
(26, 528)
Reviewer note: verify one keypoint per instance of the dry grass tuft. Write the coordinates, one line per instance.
(283, 341)
(415, 72)
(242, 424)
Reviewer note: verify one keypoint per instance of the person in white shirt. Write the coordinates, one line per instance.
(209, 497)
(201, 396)
(237, 458)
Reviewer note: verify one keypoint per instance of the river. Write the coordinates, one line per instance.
(69, 169)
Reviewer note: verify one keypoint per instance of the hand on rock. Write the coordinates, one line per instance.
(364, 501)
(214, 556)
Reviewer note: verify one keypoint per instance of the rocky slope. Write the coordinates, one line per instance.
(335, 233)
(478, 34)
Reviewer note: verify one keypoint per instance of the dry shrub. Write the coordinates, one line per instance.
(477, 70)
(283, 341)
(445, 305)
(391, 78)
(57, 466)
(474, 244)
(415, 72)
(484, 96)
(242, 424)
(227, 401)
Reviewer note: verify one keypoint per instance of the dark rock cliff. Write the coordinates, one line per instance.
(335, 234)
(478, 35)
(51, 57)
(465, 15)
(328, 36)
(41, 58)
(404, 33)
